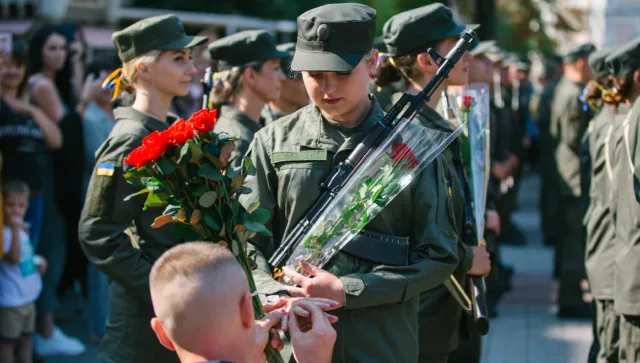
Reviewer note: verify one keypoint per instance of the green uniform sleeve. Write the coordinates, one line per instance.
(241, 149)
(433, 255)
(264, 187)
(107, 229)
(572, 130)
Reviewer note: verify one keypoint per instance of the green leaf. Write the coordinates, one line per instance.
(136, 173)
(152, 183)
(171, 209)
(235, 206)
(208, 171)
(376, 192)
(199, 190)
(252, 226)
(196, 152)
(267, 233)
(207, 199)
(260, 215)
(155, 200)
(136, 193)
(390, 188)
(211, 221)
(248, 167)
(184, 150)
(186, 232)
(166, 166)
(253, 207)
(243, 190)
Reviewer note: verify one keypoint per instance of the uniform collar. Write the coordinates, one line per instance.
(149, 122)
(316, 132)
(231, 113)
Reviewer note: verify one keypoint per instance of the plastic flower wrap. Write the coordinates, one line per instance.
(186, 170)
(473, 107)
(391, 168)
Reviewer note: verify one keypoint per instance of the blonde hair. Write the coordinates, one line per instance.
(226, 84)
(130, 71)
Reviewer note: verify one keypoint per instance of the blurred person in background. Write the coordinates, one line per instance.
(49, 87)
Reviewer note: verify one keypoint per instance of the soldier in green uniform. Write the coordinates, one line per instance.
(407, 36)
(600, 252)
(293, 95)
(378, 321)
(116, 235)
(249, 76)
(568, 126)
(625, 67)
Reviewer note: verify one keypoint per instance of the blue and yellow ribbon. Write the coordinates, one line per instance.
(115, 81)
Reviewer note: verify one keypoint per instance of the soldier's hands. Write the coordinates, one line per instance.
(312, 339)
(500, 171)
(492, 222)
(481, 262)
(320, 283)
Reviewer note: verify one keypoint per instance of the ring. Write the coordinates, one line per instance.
(482, 243)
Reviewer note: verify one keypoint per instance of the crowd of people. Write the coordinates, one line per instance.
(67, 124)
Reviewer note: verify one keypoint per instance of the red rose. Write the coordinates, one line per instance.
(467, 102)
(400, 153)
(138, 157)
(178, 133)
(155, 145)
(203, 120)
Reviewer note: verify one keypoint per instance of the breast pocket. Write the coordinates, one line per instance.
(299, 187)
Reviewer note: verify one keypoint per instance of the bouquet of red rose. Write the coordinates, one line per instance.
(185, 169)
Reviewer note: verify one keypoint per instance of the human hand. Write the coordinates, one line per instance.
(41, 264)
(513, 161)
(92, 87)
(313, 338)
(322, 303)
(481, 262)
(492, 222)
(262, 328)
(320, 283)
(18, 106)
(16, 223)
(500, 171)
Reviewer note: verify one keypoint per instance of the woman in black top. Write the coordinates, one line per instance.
(25, 135)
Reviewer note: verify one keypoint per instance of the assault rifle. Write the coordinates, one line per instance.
(393, 121)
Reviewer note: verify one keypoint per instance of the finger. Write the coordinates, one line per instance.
(317, 315)
(331, 318)
(297, 278)
(294, 329)
(275, 339)
(297, 291)
(300, 311)
(271, 319)
(284, 325)
(270, 306)
(309, 268)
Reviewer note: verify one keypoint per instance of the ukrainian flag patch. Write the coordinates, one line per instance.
(106, 169)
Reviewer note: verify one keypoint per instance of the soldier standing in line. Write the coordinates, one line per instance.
(568, 126)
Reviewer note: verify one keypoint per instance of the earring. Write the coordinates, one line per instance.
(372, 76)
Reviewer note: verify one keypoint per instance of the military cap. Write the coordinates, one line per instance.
(480, 48)
(572, 54)
(413, 30)
(334, 37)
(378, 43)
(289, 48)
(495, 54)
(243, 48)
(625, 59)
(598, 64)
(164, 32)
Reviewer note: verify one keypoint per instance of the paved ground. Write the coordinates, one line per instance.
(526, 330)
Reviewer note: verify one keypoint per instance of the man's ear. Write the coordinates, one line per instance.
(246, 311)
(157, 327)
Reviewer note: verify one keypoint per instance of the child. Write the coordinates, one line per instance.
(20, 282)
(204, 312)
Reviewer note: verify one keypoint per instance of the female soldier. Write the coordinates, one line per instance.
(601, 246)
(407, 42)
(250, 77)
(115, 234)
(293, 156)
(625, 64)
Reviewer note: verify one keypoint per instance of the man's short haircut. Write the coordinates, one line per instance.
(184, 277)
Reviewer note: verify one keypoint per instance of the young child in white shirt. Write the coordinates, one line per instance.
(20, 280)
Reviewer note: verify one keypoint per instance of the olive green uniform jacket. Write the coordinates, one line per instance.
(116, 236)
(379, 322)
(238, 124)
(601, 246)
(441, 317)
(627, 218)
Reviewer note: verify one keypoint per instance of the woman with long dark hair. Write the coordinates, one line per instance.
(49, 87)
